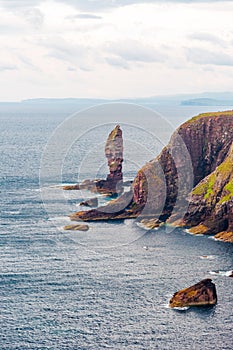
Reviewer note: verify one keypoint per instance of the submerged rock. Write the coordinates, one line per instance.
(92, 202)
(79, 227)
(201, 294)
(71, 187)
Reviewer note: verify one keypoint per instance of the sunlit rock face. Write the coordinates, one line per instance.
(202, 293)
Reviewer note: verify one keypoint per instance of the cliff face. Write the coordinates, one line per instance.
(211, 201)
(206, 139)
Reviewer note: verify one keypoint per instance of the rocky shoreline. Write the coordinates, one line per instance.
(205, 142)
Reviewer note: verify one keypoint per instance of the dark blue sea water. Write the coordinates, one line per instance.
(107, 288)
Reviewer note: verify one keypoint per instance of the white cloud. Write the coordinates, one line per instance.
(208, 37)
(101, 5)
(203, 56)
(7, 67)
(135, 51)
(117, 62)
(84, 16)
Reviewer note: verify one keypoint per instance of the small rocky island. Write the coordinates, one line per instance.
(202, 293)
(206, 208)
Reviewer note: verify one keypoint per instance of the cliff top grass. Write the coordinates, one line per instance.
(210, 114)
(229, 189)
(207, 187)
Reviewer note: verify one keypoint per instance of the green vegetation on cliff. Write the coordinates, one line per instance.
(210, 114)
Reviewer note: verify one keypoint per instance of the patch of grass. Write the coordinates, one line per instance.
(210, 114)
(228, 188)
(205, 188)
(200, 189)
(226, 167)
(211, 183)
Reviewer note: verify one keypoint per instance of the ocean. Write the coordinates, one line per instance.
(109, 287)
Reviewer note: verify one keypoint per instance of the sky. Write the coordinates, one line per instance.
(114, 48)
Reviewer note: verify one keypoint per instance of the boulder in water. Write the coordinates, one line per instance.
(202, 293)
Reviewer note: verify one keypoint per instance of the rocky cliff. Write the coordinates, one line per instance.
(189, 183)
(211, 202)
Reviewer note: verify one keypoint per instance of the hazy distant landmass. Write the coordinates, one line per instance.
(74, 104)
(205, 99)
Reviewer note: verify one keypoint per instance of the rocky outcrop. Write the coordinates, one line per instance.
(115, 210)
(113, 185)
(78, 227)
(225, 236)
(196, 166)
(201, 294)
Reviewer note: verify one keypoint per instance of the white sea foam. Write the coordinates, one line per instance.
(193, 234)
(184, 308)
(208, 257)
(141, 225)
(221, 273)
(59, 218)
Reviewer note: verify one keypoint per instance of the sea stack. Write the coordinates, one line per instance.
(201, 294)
(113, 184)
(114, 155)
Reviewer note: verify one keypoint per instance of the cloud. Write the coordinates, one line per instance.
(203, 56)
(99, 5)
(11, 29)
(17, 4)
(7, 67)
(34, 16)
(84, 16)
(117, 62)
(27, 62)
(76, 55)
(207, 37)
(135, 51)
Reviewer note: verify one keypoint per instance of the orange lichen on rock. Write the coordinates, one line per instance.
(202, 293)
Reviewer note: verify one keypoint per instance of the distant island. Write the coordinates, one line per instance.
(206, 102)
